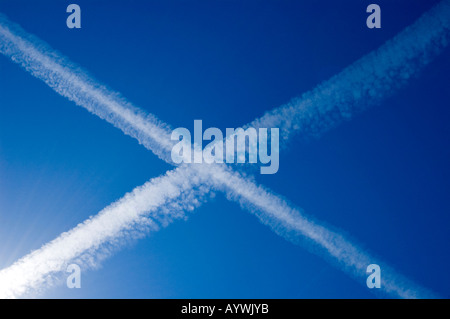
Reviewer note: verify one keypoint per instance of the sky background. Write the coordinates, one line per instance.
(382, 178)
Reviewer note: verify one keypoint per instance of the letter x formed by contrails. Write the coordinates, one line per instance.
(365, 82)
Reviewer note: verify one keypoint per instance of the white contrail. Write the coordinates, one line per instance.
(70, 81)
(292, 224)
(154, 204)
(365, 82)
(152, 134)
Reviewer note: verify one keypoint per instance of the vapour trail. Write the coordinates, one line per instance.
(364, 83)
(70, 81)
(144, 131)
(147, 208)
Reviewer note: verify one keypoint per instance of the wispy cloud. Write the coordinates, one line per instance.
(338, 98)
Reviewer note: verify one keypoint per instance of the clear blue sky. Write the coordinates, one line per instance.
(383, 178)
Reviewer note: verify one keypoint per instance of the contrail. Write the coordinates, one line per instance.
(152, 134)
(292, 224)
(365, 82)
(148, 207)
(68, 80)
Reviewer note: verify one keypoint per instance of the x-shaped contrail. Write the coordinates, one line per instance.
(167, 197)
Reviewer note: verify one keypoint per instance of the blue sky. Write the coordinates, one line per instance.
(382, 178)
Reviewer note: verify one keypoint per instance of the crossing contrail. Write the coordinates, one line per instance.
(420, 42)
